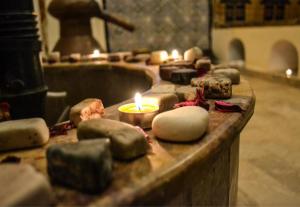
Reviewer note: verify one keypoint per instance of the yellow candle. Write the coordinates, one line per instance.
(139, 113)
(131, 108)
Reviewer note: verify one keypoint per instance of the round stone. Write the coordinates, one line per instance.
(231, 73)
(193, 54)
(181, 125)
(186, 93)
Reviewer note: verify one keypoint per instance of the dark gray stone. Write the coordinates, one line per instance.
(127, 142)
(85, 166)
(165, 73)
(181, 64)
(183, 76)
(203, 64)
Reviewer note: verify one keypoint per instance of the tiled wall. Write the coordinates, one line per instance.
(160, 24)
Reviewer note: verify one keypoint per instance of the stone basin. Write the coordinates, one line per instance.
(200, 173)
(112, 83)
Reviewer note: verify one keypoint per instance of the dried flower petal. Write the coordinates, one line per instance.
(11, 159)
(61, 129)
(4, 111)
(198, 101)
(223, 106)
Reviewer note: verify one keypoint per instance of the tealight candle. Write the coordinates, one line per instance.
(175, 55)
(139, 113)
(164, 56)
(96, 56)
(289, 73)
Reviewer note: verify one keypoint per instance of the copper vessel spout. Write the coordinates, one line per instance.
(75, 27)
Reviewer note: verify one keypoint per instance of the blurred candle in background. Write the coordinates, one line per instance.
(175, 54)
(289, 73)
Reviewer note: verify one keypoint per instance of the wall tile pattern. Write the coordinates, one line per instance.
(160, 24)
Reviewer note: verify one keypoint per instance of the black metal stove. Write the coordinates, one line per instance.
(22, 83)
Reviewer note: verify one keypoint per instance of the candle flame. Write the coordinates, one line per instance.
(175, 54)
(289, 72)
(138, 101)
(164, 56)
(96, 53)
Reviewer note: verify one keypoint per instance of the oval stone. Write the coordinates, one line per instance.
(193, 54)
(23, 133)
(231, 73)
(181, 125)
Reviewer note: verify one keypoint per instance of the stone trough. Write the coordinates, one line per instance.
(203, 172)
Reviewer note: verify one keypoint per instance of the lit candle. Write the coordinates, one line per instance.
(289, 73)
(96, 54)
(175, 55)
(164, 56)
(138, 101)
(140, 113)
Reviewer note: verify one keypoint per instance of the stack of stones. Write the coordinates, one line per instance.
(21, 78)
(190, 123)
(196, 71)
(16, 135)
(181, 72)
(87, 165)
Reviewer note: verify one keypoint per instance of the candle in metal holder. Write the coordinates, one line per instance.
(139, 113)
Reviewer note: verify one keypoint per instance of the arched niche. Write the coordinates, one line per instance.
(284, 55)
(236, 50)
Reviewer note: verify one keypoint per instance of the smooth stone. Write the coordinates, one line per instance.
(54, 57)
(183, 76)
(165, 73)
(113, 58)
(163, 88)
(132, 59)
(203, 64)
(186, 93)
(165, 101)
(181, 125)
(156, 56)
(74, 57)
(193, 54)
(87, 109)
(127, 142)
(180, 64)
(85, 166)
(214, 86)
(23, 133)
(22, 185)
(232, 74)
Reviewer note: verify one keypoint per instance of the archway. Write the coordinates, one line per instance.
(236, 50)
(284, 56)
